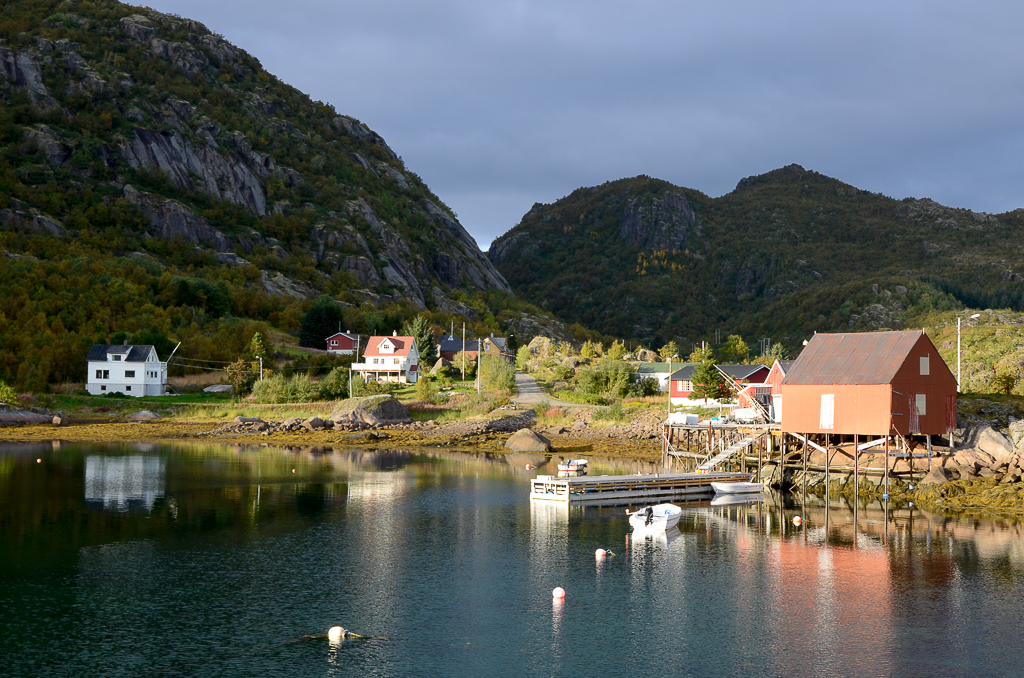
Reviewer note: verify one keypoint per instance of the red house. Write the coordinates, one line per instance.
(740, 375)
(870, 383)
(343, 343)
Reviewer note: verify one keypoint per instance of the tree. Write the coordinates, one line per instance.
(668, 350)
(523, 355)
(702, 355)
(776, 351)
(320, 322)
(7, 395)
(245, 371)
(470, 364)
(588, 351)
(421, 330)
(1004, 383)
(616, 350)
(335, 385)
(734, 350)
(707, 380)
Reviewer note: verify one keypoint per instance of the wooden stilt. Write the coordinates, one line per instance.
(827, 489)
(928, 437)
(803, 455)
(887, 466)
(856, 471)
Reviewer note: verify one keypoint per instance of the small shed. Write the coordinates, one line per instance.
(872, 383)
(343, 343)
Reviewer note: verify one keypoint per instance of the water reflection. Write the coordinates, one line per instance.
(121, 483)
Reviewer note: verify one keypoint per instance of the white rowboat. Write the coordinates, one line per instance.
(576, 465)
(737, 488)
(655, 518)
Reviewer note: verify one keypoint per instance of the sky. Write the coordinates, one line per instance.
(501, 104)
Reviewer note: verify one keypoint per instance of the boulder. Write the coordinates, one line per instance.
(989, 440)
(247, 420)
(313, 424)
(936, 476)
(647, 356)
(143, 415)
(379, 410)
(218, 388)
(1016, 431)
(59, 420)
(973, 459)
(525, 440)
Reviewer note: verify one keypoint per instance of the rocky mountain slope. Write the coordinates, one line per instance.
(785, 254)
(131, 136)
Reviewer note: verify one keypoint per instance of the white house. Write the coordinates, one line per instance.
(125, 368)
(391, 358)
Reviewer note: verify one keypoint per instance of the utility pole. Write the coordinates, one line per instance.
(261, 368)
(463, 351)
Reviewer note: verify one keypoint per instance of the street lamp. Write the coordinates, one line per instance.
(670, 383)
(976, 315)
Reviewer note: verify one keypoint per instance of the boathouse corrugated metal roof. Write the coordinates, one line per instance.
(855, 358)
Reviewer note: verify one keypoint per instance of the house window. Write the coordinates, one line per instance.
(106, 374)
(117, 358)
(922, 404)
(924, 366)
(129, 374)
(397, 361)
(127, 388)
(374, 361)
(103, 388)
(99, 374)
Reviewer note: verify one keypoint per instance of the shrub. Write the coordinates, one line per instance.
(280, 389)
(335, 385)
(7, 395)
(613, 413)
(425, 390)
(496, 374)
(523, 356)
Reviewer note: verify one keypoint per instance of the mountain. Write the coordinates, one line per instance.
(156, 181)
(785, 254)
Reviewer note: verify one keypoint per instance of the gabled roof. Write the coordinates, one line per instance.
(500, 342)
(785, 365)
(133, 353)
(347, 335)
(402, 346)
(449, 342)
(855, 358)
(685, 374)
(740, 371)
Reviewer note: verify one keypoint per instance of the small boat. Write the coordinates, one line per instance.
(578, 466)
(655, 518)
(737, 488)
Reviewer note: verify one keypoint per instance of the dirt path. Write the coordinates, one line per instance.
(530, 393)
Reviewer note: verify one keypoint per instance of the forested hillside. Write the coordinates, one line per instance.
(784, 255)
(157, 184)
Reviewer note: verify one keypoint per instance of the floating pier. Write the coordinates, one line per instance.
(620, 489)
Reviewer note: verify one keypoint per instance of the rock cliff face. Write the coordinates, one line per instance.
(178, 122)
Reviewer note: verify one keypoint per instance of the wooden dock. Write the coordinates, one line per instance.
(621, 489)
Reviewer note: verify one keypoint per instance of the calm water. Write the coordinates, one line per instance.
(216, 561)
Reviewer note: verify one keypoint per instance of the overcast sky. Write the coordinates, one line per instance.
(500, 104)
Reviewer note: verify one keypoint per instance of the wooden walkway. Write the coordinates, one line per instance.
(620, 489)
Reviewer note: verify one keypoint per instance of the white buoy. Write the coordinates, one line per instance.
(336, 633)
(797, 520)
(600, 553)
(558, 593)
(293, 470)
(529, 467)
(39, 461)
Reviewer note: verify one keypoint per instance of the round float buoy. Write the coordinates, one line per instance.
(911, 504)
(529, 467)
(600, 553)
(911, 487)
(797, 520)
(39, 461)
(336, 633)
(558, 593)
(293, 470)
(885, 496)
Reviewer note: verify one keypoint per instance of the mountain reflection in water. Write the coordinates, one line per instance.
(215, 560)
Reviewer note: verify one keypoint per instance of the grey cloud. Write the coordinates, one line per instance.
(499, 105)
